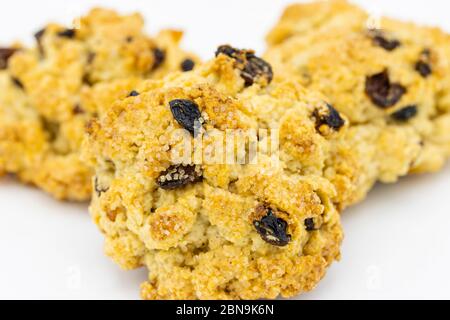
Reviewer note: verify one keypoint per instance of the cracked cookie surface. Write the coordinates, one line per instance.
(49, 92)
(390, 78)
(213, 229)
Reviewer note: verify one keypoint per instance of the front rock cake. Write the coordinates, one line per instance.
(242, 229)
(390, 78)
(48, 93)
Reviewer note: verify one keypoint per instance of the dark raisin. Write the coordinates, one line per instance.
(405, 113)
(228, 51)
(5, 54)
(379, 39)
(187, 65)
(78, 109)
(382, 92)
(67, 33)
(99, 188)
(423, 68)
(90, 57)
(255, 68)
(133, 93)
(38, 36)
(309, 224)
(87, 79)
(51, 128)
(423, 65)
(159, 57)
(272, 229)
(129, 39)
(187, 114)
(177, 176)
(252, 67)
(331, 119)
(17, 82)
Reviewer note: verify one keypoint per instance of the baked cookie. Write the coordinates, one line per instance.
(48, 93)
(207, 223)
(390, 78)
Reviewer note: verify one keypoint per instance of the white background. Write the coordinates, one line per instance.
(397, 242)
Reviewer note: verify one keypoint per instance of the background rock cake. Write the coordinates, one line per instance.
(390, 78)
(48, 93)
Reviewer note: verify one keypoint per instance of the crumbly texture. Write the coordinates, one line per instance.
(390, 78)
(48, 93)
(211, 230)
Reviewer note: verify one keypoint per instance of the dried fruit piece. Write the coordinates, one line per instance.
(67, 33)
(5, 54)
(331, 118)
(90, 57)
(187, 65)
(423, 66)
(177, 176)
(133, 93)
(159, 57)
(87, 80)
(379, 38)
(382, 92)
(405, 113)
(187, 114)
(252, 67)
(51, 128)
(38, 36)
(78, 109)
(17, 82)
(309, 224)
(272, 229)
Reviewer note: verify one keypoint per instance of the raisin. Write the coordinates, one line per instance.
(379, 39)
(382, 92)
(405, 113)
(129, 39)
(17, 82)
(133, 93)
(177, 176)
(78, 109)
(99, 188)
(187, 65)
(423, 66)
(5, 54)
(332, 119)
(309, 224)
(87, 79)
(159, 57)
(67, 33)
(256, 67)
(38, 36)
(272, 229)
(228, 51)
(51, 128)
(187, 114)
(252, 67)
(90, 57)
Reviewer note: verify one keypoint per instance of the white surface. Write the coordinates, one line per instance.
(397, 242)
